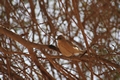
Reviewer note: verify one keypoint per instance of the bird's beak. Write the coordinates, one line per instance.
(56, 38)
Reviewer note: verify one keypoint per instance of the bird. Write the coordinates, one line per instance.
(67, 48)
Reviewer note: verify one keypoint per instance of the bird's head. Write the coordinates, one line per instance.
(60, 37)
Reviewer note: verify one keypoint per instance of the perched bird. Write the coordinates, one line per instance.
(66, 47)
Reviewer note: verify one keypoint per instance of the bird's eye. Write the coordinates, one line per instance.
(59, 38)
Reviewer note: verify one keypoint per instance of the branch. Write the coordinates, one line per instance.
(24, 42)
(29, 45)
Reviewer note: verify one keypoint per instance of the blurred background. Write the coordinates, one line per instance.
(83, 22)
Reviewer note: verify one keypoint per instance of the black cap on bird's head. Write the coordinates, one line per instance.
(60, 37)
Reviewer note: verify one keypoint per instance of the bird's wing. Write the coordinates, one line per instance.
(75, 47)
(71, 43)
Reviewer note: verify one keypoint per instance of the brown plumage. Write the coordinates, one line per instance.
(67, 48)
